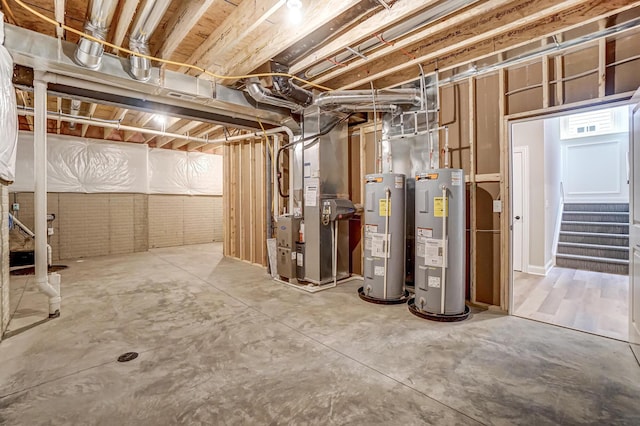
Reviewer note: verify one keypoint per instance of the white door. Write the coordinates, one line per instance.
(519, 192)
(634, 231)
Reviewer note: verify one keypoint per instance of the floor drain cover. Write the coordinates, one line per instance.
(128, 357)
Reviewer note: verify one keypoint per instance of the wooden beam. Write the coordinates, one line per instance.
(243, 20)
(58, 110)
(465, 37)
(124, 21)
(179, 143)
(25, 102)
(502, 292)
(252, 192)
(181, 23)
(59, 13)
(559, 64)
(369, 28)
(472, 177)
(602, 62)
(226, 182)
(92, 110)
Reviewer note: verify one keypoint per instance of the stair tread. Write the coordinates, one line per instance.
(598, 213)
(593, 246)
(593, 258)
(595, 234)
(581, 222)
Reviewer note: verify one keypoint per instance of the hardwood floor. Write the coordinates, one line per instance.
(594, 302)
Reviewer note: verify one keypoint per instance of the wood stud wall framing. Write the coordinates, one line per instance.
(479, 109)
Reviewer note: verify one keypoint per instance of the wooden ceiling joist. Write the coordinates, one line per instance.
(59, 13)
(465, 31)
(244, 19)
(373, 25)
(181, 24)
(540, 25)
(124, 21)
(92, 111)
(279, 37)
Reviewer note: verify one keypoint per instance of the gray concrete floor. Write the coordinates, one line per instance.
(220, 343)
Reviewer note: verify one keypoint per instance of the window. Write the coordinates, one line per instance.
(592, 123)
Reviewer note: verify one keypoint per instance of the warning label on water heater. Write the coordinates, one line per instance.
(456, 178)
(399, 182)
(384, 207)
(435, 252)
(434, 282)
(441, 206)
(378, 271)
(425, 232)
(369, 230)
(379, 246)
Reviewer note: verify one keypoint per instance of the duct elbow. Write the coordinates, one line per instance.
(139, 67)
(89, 53)
(264, 96)
(285, 87)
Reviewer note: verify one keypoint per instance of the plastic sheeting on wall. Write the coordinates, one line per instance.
(89, 166)
(177, 172)
(84, 165)
(8, 116)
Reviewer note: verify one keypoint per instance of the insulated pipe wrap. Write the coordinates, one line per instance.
(100, 13)
(148, 19)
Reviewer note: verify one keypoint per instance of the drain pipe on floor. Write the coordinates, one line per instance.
(49, 285)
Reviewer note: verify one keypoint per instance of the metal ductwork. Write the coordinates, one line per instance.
(364, 100)
(145, 24)
(285, 87)
(264, 96)
(99, 15)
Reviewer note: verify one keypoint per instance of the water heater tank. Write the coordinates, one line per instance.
(440, 243)
(384, 238)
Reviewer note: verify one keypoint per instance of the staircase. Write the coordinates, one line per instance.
(594, 237)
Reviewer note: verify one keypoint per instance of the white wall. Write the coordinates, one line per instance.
(595, 169)
(531, 134)
(552, 186)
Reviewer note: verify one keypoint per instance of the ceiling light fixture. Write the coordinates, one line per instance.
(294, 4)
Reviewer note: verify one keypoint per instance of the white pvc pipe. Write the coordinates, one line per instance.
(40, 205)
(334, 241)
(445, 212)
(387, 241)
(117, 126)
(274, 180)
(430, 151)
(446, 147)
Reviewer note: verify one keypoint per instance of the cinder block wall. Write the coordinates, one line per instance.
(176, 220)
(4, 262)
(101, 224)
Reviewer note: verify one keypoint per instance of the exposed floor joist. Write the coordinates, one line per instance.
(471, 32)
(124, 21)
(182, 23)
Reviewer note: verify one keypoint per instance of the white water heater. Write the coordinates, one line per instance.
(440, 243)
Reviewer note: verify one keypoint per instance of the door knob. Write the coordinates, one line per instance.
(517, 217)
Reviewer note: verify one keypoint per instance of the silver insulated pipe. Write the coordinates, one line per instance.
(264, 96)
(146, 22)
(99, 15)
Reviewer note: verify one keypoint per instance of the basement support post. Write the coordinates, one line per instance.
(51, 289)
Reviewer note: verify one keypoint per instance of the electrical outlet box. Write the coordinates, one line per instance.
(497, 206)
(15, 207)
